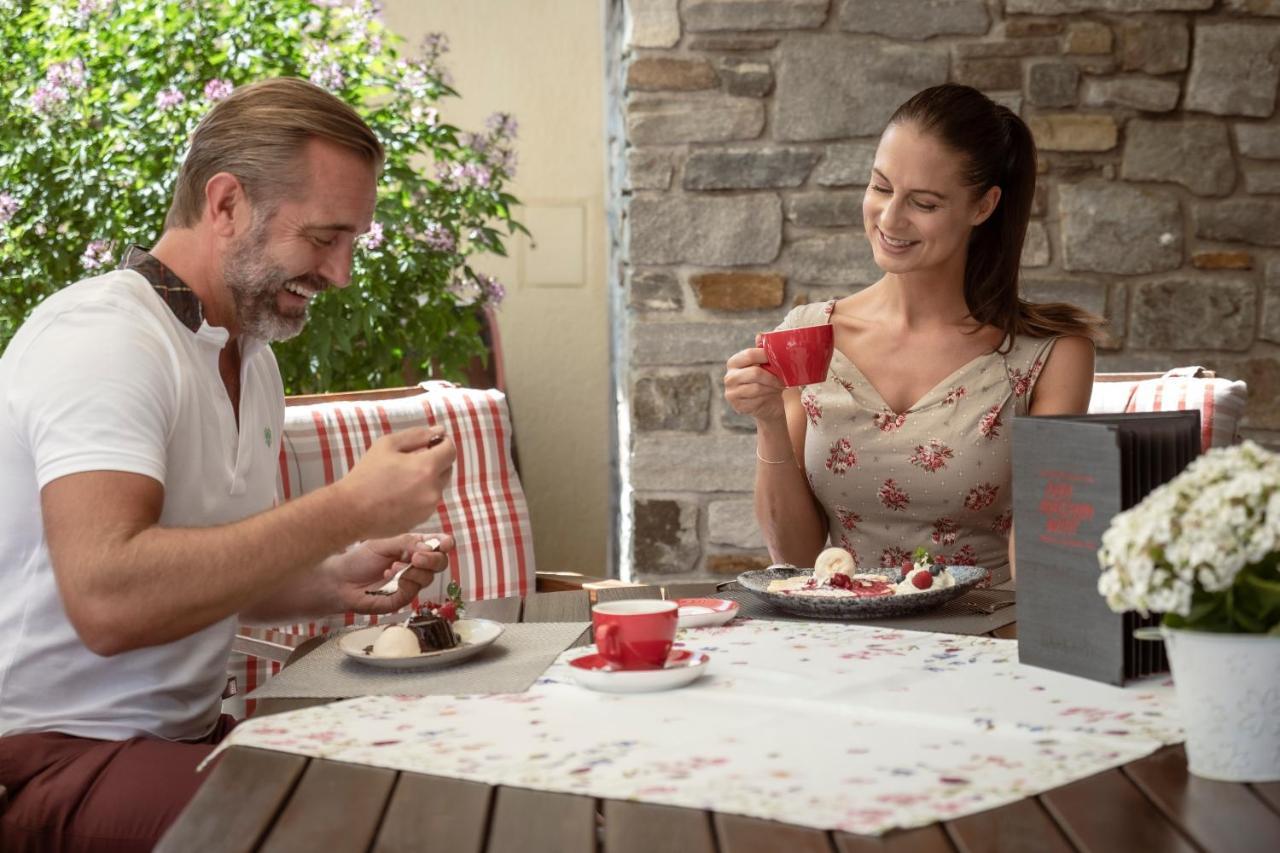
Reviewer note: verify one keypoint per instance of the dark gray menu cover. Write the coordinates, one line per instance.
(1071, 475)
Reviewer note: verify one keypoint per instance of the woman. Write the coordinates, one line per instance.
(907, 441)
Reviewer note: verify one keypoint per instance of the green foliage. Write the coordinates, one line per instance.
(1251, 605)
(98, 99)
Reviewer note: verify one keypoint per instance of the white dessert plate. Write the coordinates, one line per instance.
(475, 635)
(705, 612)
(683, 667)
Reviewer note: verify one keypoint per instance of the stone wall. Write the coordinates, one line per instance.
(751, 126)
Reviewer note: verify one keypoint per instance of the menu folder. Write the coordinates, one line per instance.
(1071, 475)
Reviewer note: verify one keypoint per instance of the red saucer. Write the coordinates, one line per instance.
(596, 662)
(683, 666)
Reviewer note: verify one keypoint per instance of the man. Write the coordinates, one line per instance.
(139, 436)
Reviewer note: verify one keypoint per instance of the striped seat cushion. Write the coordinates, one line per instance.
(1221, 401)
(484, 510)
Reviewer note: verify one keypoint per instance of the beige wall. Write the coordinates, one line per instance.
(542, 61)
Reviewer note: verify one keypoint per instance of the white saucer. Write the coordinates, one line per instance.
(475, 635)
(705, 612)
(683, 666)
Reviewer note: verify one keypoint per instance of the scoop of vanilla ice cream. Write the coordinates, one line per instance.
(830, 562)
(396, 641)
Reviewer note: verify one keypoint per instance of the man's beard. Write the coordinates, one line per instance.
(255, 282)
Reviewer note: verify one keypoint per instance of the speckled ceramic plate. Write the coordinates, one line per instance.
(757, 583)
(474, 635)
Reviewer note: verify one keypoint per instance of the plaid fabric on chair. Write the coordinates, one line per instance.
(484, 510)
(1221, 401)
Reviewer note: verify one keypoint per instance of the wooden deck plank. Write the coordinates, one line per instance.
(927, 839)
(437, 813)
(1219, 816)
(336, 807)
(542, 822)
(1106, 813)
(1269, 792)
(647, 828)
(495, 609)
(738, 834)
(237, 804)
(1006, 632)
(1021, 827)
(573, 606)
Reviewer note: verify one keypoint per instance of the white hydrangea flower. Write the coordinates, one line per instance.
(1196, 532)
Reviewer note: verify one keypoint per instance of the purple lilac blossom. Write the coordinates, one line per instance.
(69, 74)
(167, 99)
(88, 8)
(325, 70)
(414, 78)
(96, 255)
(457, 176)
(493, 290)
(45, 99)
(439, 238)
(502, 160)
(8, 207)
(217, 89)
(434, 45)
(502, 125)
(374, 238)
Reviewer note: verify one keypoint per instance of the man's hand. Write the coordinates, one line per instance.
(399, 481)
(374, 561)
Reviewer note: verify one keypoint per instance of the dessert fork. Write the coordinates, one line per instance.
(393, 585)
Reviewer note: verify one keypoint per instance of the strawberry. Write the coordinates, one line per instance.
(841, 581)
(922, 580)
(448, 612)
(907, 566)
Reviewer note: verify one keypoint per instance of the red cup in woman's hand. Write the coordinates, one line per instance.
(799, 356)
(635, 634)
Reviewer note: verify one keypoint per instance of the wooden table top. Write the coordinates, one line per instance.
(263, 800)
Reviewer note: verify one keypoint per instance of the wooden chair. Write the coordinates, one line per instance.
(483, 373)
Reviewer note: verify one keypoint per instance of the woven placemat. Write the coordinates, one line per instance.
(977, 612)
(511, 665)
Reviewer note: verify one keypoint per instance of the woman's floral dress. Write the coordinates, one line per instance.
(936, 475)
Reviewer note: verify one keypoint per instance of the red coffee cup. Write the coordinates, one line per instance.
(799, 356)
(635, 634)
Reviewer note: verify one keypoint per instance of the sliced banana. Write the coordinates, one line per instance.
(832, 561)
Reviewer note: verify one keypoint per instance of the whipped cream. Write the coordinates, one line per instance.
(942, 580)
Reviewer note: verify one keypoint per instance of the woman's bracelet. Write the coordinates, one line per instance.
(771, 461)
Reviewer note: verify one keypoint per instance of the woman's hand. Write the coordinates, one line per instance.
(750, 389)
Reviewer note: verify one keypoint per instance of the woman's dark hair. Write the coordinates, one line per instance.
(998, 151)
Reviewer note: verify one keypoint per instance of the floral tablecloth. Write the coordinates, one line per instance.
(824, 725)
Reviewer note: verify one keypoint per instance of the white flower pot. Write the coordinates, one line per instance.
(1228, 688)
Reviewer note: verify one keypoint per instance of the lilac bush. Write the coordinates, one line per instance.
(94, 114)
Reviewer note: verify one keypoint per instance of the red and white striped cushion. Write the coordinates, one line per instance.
(1221, 401)
(484, 510)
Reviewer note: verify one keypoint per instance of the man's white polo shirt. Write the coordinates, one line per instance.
(105, 376)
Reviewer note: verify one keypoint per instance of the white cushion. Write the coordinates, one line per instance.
(1221, 402)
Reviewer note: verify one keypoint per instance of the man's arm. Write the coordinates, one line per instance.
(127, 583)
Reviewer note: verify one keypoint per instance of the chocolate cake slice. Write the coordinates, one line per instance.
(433, 633)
